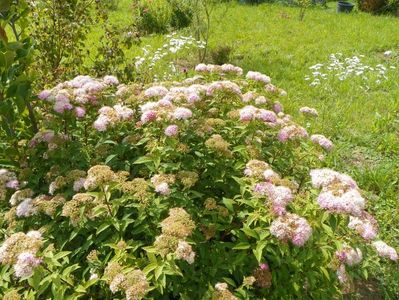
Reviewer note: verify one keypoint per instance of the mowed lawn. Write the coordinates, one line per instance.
(363, 123)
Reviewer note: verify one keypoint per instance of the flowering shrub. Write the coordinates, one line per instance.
(202, 188)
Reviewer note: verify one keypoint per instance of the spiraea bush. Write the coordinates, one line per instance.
(195, 189)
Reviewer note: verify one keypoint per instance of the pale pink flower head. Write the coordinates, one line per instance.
(165, 102)
(148, 116)
(201, 68)
(182, 113)
(266, 116)
(163, 188)
(111, 80)
(78, 184)
(323, 178)
(172, 130)
(101, 123)
(94, 86)
(256, 76)
(278, 196)
(26, 262)
(193, 97)
(308, 111)
(365, 225)
(349, 202)
(44, 95)
(260, 100)
(35, 234)
(291, 227)
(292, 132)
(322, 141)
(62, 96)
(26, 208)
(80, 112)
(247, 113)
(277, 107)
(228, 68)
(384, 250)
(124, 113)
(13, 184)
(349, 255)
(61, 106)
(155, 91)
(248, 96)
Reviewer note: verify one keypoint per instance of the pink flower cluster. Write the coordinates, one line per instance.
(111, 116)
(223, 69)
(182, 113)
(19, 250)
(185, 252)
(339, 192)
(365, 225)
(191, 94)
(77, 93)
(323, 178)
(161, 186)
(322, 141)
(172, 130)
(225, 85)
(250, 113)
(279, 196)
(26, 208)
(256, 168)
(291, 227)
(349, 256)
(292, 132)
(25, 265)
(155, 91)
(308, 111)
(8, 180)
(341, 201)
(49, 137)
(384, 250)
(257, 76)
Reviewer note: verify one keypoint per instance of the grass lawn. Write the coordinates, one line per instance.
(363, 123)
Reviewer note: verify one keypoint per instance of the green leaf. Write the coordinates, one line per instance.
(229, 281)
(109, 158)
(152, 266)
(102, 228)
(143, 160)
(259, 250)
(229, 204)
(158, 272)
(61, 254)
(242, 246)
(325, 272)
(7, 59)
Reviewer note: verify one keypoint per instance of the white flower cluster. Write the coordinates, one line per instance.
(164, 54)
(343, 68)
